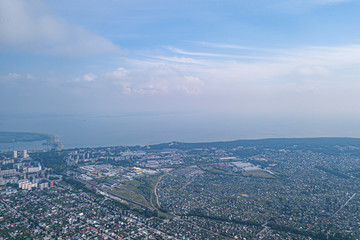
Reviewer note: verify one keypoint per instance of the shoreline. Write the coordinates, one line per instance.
(11, 141)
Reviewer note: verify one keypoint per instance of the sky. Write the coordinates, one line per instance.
(287, 58)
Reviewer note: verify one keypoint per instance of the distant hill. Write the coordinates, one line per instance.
(268, 142)
(13, 137)
(329, 145)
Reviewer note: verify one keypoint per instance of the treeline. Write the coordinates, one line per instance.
(332, 171)
(79, 186)
(199, 213)
(52, 159)
(147, 212)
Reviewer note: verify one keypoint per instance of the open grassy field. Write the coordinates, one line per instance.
(143, 185)
(131, 196)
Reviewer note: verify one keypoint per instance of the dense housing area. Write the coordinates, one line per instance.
(265, 189)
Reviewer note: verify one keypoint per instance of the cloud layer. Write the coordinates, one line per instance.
(31, 26)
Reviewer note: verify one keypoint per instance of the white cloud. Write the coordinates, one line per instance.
(30, 26)
(16, 76)
(225, 45)
(180, 60)
(192, 85)
(90, 77)
(29, 76)
(151, 78)
(313, 71)
(215, 55)
(310, 79)
(13, 75)
(296, 70)
(118, 74)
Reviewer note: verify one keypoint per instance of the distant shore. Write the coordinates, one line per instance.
(15, 137)
(26, 140)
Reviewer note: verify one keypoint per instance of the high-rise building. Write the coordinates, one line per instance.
(25, 154)
(15, 154)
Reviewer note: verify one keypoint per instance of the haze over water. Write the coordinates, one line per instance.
(144, 129)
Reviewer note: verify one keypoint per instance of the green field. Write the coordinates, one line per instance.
(140, 190)
(131, 196)
(14, 137)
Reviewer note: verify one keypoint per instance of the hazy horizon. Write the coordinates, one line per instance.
(152, 128)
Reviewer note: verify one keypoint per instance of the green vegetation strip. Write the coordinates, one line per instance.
(14, 137)
(333, 172)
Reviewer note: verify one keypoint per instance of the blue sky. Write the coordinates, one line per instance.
(286, 58)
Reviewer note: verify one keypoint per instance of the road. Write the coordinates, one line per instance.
(347, 202)
(264, 232)
(155, 189)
